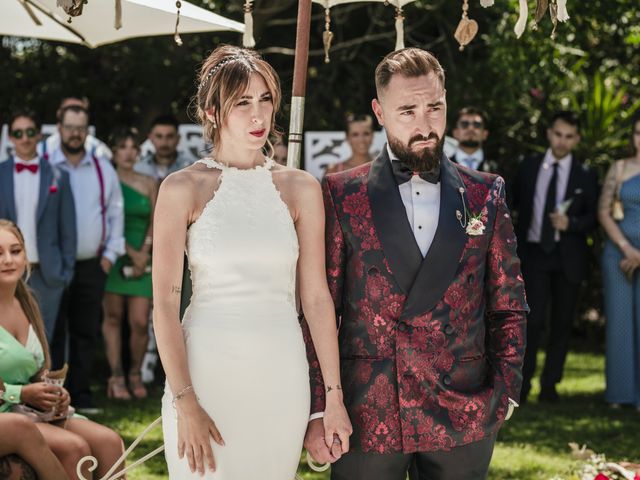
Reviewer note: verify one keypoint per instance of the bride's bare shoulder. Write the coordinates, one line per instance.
(190, 181)
(294, 180)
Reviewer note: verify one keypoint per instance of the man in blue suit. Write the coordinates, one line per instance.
(38, 198)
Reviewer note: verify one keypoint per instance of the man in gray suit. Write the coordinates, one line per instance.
(38, 198)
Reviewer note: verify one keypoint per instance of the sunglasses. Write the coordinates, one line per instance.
(29, 132)
(467, 123)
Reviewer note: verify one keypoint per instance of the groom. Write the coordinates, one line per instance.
(422, 266)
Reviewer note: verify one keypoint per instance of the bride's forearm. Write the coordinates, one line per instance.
(320, 316)
(171, 346)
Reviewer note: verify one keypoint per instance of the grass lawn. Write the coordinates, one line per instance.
(531, 446)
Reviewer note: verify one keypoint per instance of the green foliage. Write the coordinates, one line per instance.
(519, 82)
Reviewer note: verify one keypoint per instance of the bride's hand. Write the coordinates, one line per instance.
(337, 426)
(194, 429)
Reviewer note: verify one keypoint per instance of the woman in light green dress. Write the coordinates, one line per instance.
(129, 282)
(24, 357)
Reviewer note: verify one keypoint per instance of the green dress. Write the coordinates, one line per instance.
(137, 212)
(18, 363)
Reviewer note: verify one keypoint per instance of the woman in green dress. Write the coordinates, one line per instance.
(24, 359)
(129, 282)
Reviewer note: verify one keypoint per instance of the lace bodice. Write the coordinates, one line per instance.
(243, 247)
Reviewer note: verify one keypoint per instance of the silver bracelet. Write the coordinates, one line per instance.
(181, 394)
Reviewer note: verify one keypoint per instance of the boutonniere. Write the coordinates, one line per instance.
(475, 225)
(53, 188)
(472, 224)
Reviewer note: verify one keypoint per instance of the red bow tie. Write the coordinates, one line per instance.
(22, 166)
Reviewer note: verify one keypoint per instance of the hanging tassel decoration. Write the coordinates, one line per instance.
(73, 8)
(486, 3)
(541, 10)
(553, 12)
(467, 29)
(118, 21)
(521, 24)
(176, 34)
(563, 14)
(247, 38)
(31, 13)
(327, 35)
(399, 29)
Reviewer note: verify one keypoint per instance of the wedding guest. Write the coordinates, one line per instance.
(619, 215)
(280, 152)
(166, 157)
(38, 198)
(100, 222)
(555, 196)
(91, 143)
(470, 130)
(359, 131)
(25, 361)
(24, 451)
(129, 282)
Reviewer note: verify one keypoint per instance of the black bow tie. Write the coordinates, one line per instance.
(403, 173)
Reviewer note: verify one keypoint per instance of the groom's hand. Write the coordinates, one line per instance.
(315, 444)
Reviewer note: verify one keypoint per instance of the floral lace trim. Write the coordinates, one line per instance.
(211, 163)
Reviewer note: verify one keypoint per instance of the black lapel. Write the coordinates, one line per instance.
(6, 182)
(441, 263)
(573, 181)
(453, 159)
(46, 176)
(391, 222)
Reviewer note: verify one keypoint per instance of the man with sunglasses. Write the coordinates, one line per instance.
(38, 198)
(471, 132)
(100, 225)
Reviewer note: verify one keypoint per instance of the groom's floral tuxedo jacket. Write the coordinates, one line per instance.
(430, 349)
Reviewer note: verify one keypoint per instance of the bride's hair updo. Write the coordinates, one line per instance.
(223, 78)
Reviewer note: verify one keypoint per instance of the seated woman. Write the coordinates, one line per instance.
(24, 454)
(24, 356)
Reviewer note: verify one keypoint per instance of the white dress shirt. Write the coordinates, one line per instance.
(421, 201)
(26, 193)
(472, 161)
(542, 185)
(85, 186)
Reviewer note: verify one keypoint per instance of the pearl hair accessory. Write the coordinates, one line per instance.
(216, 68)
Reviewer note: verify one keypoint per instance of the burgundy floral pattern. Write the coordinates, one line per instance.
(436, 380)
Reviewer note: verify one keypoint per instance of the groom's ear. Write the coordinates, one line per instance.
(377, 109)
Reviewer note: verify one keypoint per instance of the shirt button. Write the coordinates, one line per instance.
(420, 227)
(417, 193)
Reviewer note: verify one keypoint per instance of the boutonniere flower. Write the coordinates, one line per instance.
(475, 226)
(53, 188)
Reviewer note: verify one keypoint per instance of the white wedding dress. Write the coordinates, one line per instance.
(245, 350)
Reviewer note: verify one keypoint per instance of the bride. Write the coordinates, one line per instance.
(236, 404)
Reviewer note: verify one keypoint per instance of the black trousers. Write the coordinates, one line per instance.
(79, 320)
(547, 288)
(469, 462)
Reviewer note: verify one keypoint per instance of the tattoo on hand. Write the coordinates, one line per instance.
(176, 290)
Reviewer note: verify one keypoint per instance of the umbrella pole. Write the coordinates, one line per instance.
(299, 83)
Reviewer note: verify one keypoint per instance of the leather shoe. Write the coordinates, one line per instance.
(548, 394)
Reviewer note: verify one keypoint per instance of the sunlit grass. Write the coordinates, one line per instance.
(531, 446)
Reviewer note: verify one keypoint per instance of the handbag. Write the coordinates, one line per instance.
(617, 207)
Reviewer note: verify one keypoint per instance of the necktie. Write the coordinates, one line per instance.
(547, 238)
(403, 173)
(33, 168)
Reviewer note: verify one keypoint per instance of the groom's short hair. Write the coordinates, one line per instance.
(410, 62)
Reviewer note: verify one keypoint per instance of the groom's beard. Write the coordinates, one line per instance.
(424, 160)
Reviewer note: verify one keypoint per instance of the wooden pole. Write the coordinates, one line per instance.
(299, 83)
